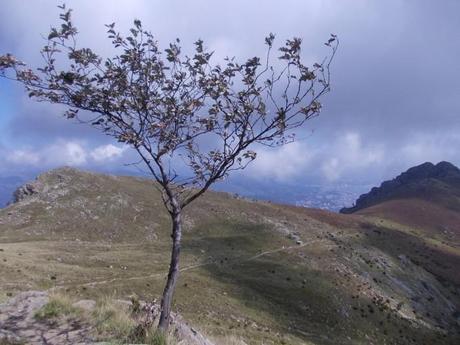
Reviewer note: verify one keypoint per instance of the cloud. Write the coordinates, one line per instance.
(107, 152)
(23, 157)
(340, 158)
(392, 104)
(284, 163)
(71, 153)
(435, 147)
(60, 153)
(67, 153)
(332, 169)
(348, 155)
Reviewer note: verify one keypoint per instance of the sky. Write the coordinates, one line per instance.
(394, 102)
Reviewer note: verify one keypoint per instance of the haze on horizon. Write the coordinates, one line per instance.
(395, 83)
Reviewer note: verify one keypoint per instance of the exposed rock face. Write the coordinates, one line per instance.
(420, 181)
(24, 191)
(49, 185)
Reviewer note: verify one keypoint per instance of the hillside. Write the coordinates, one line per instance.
(257, 271)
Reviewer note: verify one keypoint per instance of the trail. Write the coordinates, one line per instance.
(234, 261)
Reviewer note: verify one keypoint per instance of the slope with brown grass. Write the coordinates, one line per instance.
(255, 271)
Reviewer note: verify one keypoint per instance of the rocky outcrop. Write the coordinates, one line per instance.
(24, 192)
(422, 180)
(52, 184)
(19, 325)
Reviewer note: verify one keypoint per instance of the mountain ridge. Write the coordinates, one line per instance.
(426, 181)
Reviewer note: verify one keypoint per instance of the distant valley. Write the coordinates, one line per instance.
(330, 197)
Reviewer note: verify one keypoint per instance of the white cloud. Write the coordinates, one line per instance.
(23, 157)
(72, 153)
(65, 153)
(283, 163)
(331, 161)
(107, 152)
(60, 153)
(331, 169)
(348, 154)
(434, 147)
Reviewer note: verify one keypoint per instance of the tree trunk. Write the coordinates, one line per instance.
(173, 274)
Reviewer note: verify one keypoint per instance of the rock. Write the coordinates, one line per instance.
(24, 192)
(187, 334)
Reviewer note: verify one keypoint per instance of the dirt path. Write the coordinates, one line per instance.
(191, 267)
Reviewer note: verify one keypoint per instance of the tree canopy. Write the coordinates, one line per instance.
(171, 106)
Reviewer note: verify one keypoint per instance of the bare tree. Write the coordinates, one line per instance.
(177, 111)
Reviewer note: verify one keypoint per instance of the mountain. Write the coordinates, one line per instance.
(438, 183)
(258, 271)
(425, 198)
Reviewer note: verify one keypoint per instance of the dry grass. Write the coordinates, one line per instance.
(110, 237)
(229, 340)
(112, 320)
(4, 341)
(58, 306)
(155, 337)
(426, 217)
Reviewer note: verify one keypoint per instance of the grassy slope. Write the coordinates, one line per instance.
(354, 280)
(430, 218)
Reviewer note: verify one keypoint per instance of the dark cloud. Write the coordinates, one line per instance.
(394, 101)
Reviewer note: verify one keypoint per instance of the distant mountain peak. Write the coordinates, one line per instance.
(420, 181)
(446, 167)
(429, 170)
